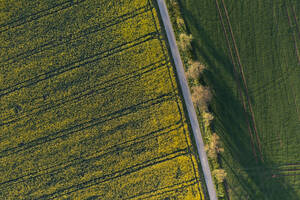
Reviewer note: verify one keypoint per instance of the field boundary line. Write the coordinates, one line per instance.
(187, 99)
(244, 80)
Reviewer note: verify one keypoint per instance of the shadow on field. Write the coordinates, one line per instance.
(230, 121)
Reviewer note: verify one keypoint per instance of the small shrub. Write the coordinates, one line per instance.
(174, 3)
(195, 69)
(220, 175)
(185, 41)
(207, 118)
(201, 96)
(180, 23)
(214, 146)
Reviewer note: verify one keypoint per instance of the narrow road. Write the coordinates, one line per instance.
(188, 99)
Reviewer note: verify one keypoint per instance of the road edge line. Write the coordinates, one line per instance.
(187, 99)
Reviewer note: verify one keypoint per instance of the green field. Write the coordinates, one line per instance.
(251, 49)
(89, 104)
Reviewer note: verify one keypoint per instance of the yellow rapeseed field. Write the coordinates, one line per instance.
(89, 104)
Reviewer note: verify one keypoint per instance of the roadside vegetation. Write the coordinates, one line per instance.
(90, 107)
(201, 93)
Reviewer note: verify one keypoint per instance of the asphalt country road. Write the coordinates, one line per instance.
(188, 99)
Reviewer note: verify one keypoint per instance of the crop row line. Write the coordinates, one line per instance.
(296, 21)
(270, 173)
(288, 170)
(88, 124)
(85, 93)
(81, 34)
(260, 90)
(275, 168)
(79, 63)
(293, 32)
(40, 14)
(283, 175)
(234, 191)
(127, 171)
(94, 156)
(278, 174)
(165, 190)
(243, 79)
(296, 164)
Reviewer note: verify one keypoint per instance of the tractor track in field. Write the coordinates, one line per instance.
(280, 166)
(242, 75)
(276, 171)
(75, 37)
(40, 14)
(292, 30)
(244, 81)
(165, 190)
(284, 77)
(295, 45)
(78, 63)
(237, 80)
(281, 175)
(289, 170)
(114, 175)
(286, 170)
(84, 93)
(73, 129)
(296, 21)
(89, 157)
